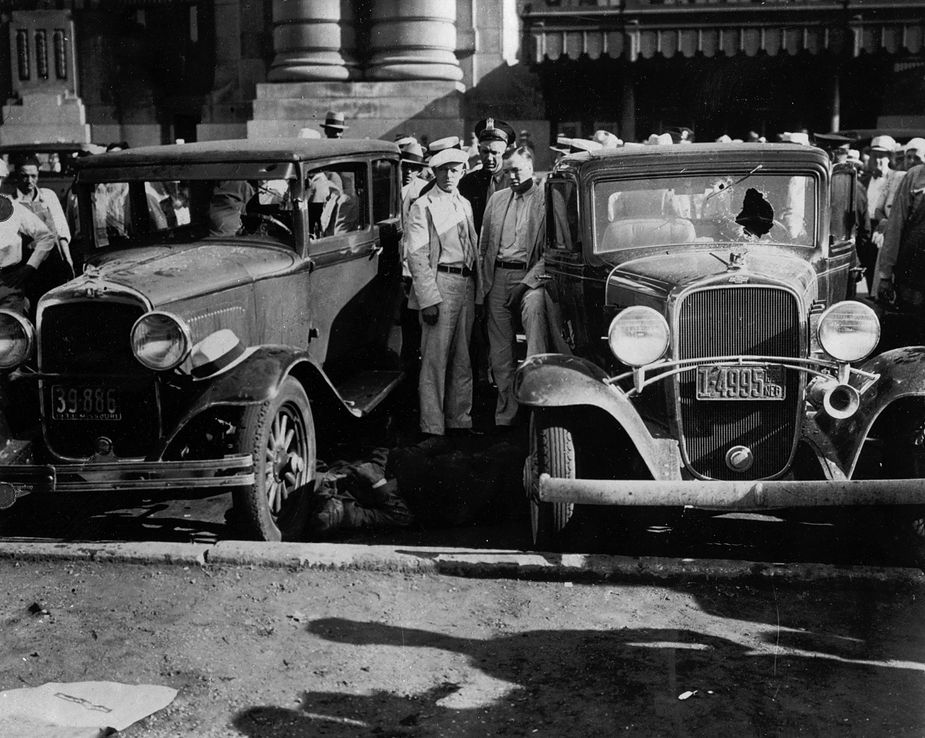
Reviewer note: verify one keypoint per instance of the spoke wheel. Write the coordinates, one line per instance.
(280, 435)
(552, 451)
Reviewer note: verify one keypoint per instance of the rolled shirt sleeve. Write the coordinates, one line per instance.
(32, 226)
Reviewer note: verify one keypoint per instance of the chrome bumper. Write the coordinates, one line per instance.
(19, 480)
(719, 495)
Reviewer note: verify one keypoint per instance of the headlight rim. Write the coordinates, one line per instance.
(184, 330)
(28, 330)
(826, 315)
(638, 308)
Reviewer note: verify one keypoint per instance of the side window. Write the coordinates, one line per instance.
(562, 215)
(841, 214)
(338, 199)
(383, 186)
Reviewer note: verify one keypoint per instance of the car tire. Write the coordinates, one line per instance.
(280, 434)
(552, 451)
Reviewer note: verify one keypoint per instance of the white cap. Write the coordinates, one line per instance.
(448, 156)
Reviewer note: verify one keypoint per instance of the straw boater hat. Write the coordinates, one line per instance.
(883, 143)
(334, 120)
(217, 353)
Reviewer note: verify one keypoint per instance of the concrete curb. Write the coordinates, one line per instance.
(467, 562)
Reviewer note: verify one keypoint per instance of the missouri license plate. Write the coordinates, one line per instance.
(84, 402)
(740, 383)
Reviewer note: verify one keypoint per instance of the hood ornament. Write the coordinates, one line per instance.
(735, 264)
(93, 284)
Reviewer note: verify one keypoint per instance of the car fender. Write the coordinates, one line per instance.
(257, 379)
(557, 380)
(901, 374)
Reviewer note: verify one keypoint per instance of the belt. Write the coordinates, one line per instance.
(462, 271)
(501, 264)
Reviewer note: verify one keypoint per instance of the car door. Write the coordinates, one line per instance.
(353, 267)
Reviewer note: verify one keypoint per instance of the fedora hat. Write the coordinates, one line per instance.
(448, 156)
(334, 120)
(217, 353)
(563, 145)
(412, 153)
(797, 137)
(579, 145)
(659, 139)
(915, 144)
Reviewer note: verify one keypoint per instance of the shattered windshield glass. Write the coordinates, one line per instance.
(751, 206)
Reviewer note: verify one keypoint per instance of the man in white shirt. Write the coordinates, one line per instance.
(16, 274)
(441, 248)
(44, 203)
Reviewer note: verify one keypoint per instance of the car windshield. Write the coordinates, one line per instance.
(749, 206)
(156, 211)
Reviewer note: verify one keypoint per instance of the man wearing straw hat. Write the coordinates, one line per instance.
(441, 247)
(334, 125)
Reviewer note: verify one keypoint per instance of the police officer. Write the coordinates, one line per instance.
(495, 137)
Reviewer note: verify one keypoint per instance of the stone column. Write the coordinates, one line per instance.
(314, 41)
(414, 40)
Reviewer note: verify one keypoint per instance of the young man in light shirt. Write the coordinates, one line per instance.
(441, 248)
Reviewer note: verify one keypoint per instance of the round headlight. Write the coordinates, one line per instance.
(16, 338)
(638, 335)
(160, 340)
(849, 331)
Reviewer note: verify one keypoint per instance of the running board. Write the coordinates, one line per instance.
(362, 392)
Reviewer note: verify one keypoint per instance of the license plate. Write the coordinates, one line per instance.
(740, 383)
(84, 402)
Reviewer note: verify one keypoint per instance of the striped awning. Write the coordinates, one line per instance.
(631, 29)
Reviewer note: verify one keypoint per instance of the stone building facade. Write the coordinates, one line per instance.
(152, 71)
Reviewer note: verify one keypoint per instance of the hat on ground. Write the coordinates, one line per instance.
(334, 120)
(6, 208)
(448, 156)
(491, 129)
(915, 144)
(883, 143)
(217, 353)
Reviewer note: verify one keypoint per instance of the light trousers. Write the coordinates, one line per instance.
(502, 335)
(445, 383)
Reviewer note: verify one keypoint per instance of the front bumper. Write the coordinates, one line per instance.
(732, 495)
(19, 480)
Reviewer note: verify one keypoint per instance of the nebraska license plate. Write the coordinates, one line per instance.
(740, 383)
(84, 402)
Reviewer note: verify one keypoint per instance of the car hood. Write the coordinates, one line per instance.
(164, 274)
(661, 274)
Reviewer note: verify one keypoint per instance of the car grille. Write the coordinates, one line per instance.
(735, 321)
(89, 345)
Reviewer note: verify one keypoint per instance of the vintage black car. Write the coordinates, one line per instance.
(235, 294)
(716, 363)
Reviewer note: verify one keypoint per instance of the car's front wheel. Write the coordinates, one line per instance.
(552, 451)
(280, 434)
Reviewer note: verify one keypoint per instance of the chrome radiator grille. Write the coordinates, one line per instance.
(735, 321)
(88, 344)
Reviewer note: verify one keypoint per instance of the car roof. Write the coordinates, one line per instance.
(645, 155)
(240, 150)
(50, 146)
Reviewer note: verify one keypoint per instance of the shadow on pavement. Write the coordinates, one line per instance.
(607, 682)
